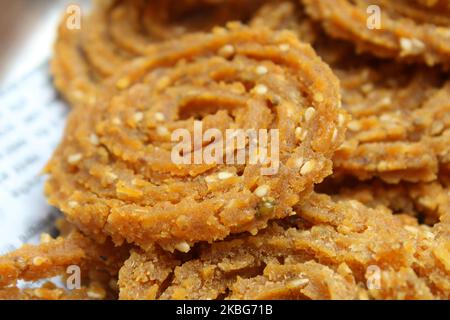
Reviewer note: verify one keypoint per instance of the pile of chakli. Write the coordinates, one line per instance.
(141, 227)
(117, 31)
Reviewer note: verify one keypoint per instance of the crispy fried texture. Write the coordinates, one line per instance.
(409, 32)
(384, 238)
(324, 252)
(400, 128)
(113, 173)
(427, 203)
(98, 263)
(117, 31)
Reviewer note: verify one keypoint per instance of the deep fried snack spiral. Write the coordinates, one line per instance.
(407, 31)
(325, 252)
(116, 31)
(113, 173)
(401, 126)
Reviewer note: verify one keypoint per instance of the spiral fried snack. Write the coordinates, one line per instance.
(98, 264)
(427, 203)
(114, 173)
(407, 31)
(117, 31)
(400, 128)
(328, 251)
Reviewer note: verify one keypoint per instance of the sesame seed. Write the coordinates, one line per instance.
(308, 167)
(411, 46)
(354, 125)
(411, 229)
(93, 138)
(261, 89)
(284, 47)
(299, 162)
(309, 114)
(318, 97)
(227, 51)
(162, 131)
(341, 120)
(386, 101)
(224, 175)
(429, 235)
(183, 246)
(45, 238)
(297, 283)
(159, 117)
(138, 116)
(261, 70)
(116, 121)
(210, 179)
(335, 135)
(74, 158)
(300, 134)
(266, 207)
(111, 175)
(123, 83)
(262, 190)
(406, 44)
(387, 118)
(72, 204)
(38, 261)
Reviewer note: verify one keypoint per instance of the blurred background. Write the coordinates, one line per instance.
(27, 32)
(32, 116)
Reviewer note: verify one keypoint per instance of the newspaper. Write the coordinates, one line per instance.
(32, 119)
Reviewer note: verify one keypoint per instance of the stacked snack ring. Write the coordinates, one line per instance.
(427, 202)
(328, 253)
(114, 173)
(400, 114)
(400, 123)
(404, 30)
(119, 30)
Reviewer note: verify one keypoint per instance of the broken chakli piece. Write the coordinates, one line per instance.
(400, 124)
(97, 266)
(401, 29)
(327, 251)
(113, 174)
(116, 31)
